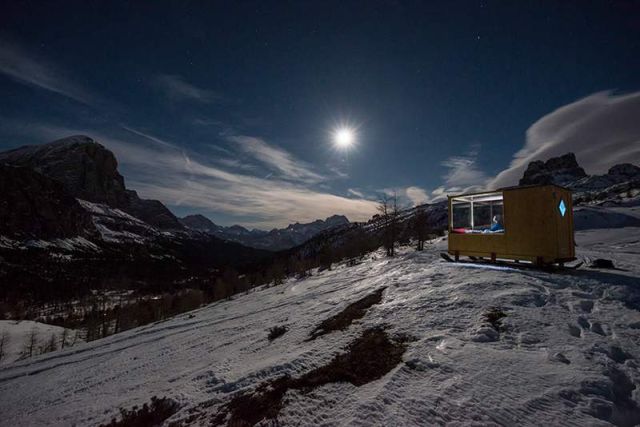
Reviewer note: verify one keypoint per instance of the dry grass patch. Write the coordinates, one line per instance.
(366, 359)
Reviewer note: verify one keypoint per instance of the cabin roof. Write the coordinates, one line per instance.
(514, 187)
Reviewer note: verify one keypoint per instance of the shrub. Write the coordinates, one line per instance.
(276, 332)
(149, 415)
(494, 316)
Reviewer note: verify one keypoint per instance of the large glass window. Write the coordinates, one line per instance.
(478, 213)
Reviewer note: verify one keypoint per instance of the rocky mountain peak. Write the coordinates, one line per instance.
(89, 171)
(86, 168)
(621, 184)
(557, 170)
(337, 220)
(625, 170)
(199, 222)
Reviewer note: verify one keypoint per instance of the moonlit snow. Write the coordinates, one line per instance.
(567, 353)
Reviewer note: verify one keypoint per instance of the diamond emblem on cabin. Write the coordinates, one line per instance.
(562, 207)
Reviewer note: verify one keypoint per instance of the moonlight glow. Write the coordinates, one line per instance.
(344, 137)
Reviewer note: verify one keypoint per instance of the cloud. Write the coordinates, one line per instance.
(463, 170)
(149, 137)
(176, 88)
(417, 195)
(182, 178)
(26, 68)
(276, 159)
(356, 193)
(602, 130)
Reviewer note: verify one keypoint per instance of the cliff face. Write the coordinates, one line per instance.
(35, 206)
(89, 171)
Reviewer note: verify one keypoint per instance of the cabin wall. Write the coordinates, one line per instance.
(533, 228)
(566, 242)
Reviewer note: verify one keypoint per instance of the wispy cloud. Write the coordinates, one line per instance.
(417, 195)
(602, 130)
(149, 137)
(277, 159)
(176, 88)
(355, 192)
(463, 170)
(30, 69)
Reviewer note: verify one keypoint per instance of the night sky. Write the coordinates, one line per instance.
(228, 109)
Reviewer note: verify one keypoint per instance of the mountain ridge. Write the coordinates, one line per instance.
(274, 239)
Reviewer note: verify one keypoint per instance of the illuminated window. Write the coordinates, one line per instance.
(478, 214)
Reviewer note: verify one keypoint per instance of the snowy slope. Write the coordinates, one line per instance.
(568, 353)
(591, 217)
(18, 332)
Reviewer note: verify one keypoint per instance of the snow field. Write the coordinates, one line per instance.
(567, 351)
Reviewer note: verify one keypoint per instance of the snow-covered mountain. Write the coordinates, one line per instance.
(409, 340)
(274, 240)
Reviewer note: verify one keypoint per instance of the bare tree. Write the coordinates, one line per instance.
(276, 273)
(420, 227)
(30, 343)
(51, 345)
(388, 208)
(75, 338)
(4, 343)
(63, 337)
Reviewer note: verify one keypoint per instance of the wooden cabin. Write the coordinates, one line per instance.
(528, 223)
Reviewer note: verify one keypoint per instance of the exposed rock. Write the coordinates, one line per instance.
(557, 170)
(35, 206)
(89, 171)
(602, 263)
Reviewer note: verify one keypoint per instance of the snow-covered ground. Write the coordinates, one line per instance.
(568, 352)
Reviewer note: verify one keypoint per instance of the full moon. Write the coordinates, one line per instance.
(344, 137)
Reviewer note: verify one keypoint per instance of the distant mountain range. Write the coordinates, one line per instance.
(276, 239)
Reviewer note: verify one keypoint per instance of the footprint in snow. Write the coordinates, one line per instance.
(559, 357)
(575, 330)
(584, 323)
(596, 328)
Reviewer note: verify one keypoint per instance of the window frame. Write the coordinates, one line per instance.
(471, 199)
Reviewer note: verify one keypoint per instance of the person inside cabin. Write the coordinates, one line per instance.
(496, 224)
